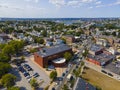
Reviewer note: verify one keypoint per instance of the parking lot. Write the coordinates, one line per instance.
(21, 80)
(27, 70)
(36, 69)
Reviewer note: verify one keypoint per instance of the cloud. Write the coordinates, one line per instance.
(117, 2)
(90, 7)
(108, 5)
(36, 1)
(98, 2)
(6, 6)
(72, 3)
(87, 1)
(79, 3)
(20, 10)
(57, 3)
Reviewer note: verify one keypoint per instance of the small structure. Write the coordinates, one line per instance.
(69, 77)
(59, 62)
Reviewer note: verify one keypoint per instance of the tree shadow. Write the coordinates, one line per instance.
(16, 73)
(83, 72)
(39, 89)
(23, 88)
(86, 68)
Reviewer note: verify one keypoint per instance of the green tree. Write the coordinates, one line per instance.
(67, 56)
(8, 50)
(65, 87)
(64, 40)
(34, 84)
(17, 45)
(85, 53)
(2, 46)
(4, 68)
(14, 88)
(44, 33)
(53, 75)
(76, 73)
(4, 58)
(33, 50)
(8, 80)
(41, 41)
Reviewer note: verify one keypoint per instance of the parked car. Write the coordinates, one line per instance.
(29, 79)
(60, 78)
(26, 74)
(53, 88)
(21, 69)
(27, 67)
(36, 75)
(63, 74)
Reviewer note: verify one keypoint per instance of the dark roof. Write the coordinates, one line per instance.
(103, 57)
(96, 48)
(53, 50)
(83, 85)
(4, 36)
(114, 67)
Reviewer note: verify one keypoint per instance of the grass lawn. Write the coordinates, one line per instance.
(101, 80)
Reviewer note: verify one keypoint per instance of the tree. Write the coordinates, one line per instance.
(8, 80)
(4, 68)
(76, 73)
(17, 45)
(4, 58)
(85, 53)
(8, 50)
(67, 56)
(34, 84)
(53, 75)
(65, 87)
(14, 88)
(64, 40)
(33, 50)
(41, 41)
(44, 33)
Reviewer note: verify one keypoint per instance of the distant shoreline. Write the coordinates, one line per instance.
(61, 19)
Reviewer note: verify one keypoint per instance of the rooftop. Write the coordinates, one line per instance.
(96, 47)
(103, 57)
(83, 85)
(114, 67)
(53, 50)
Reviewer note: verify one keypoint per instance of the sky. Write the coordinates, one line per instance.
(59, 8)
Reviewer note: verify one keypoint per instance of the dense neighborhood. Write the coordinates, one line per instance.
(54, 55)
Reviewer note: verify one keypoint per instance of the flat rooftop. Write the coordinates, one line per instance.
(114, 67)
(96, 48)
(103, 57)
(83, 85)
(44, 52)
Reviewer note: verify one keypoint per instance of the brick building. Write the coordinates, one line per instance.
(101, 59)
(46, 56)
(99, 56)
